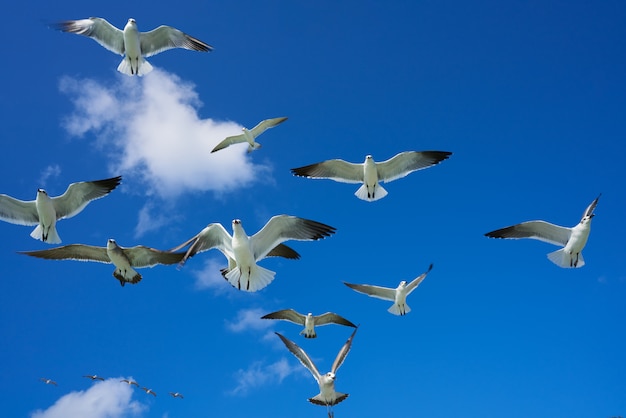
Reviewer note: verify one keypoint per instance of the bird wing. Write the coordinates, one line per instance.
(265, 125)
(341, 356)
(374, 291)
(287, 315)
(78, 195)
(18, 211)
(97, 29)
(235, 139)
(411, 286)
(591, 207)
(78, 252)
(281, 250)
(407, 162)
(301, 355)
(167, 37)
(332, 318)
(338, 170)
(539, 230)
(213, 236)
(141, 256)
(284, 227)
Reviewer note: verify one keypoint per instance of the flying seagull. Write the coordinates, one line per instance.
(48, 381)
(45, 211)
(249, 135)
(131, 43)
(327, 396)
(243, 251)
(94, 377)
(397, 296)
(572, 239)
(177, 395)
(371, 173)
(309, 321)
(130, 382)
(124, 259)
(149, 391)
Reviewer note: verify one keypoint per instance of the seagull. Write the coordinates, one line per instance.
(397, 295)
(249, 135)
(131, 43)
(572, 239)
(94, 377)
(243, 251)
(370, 173)
(48, 381)
(124, 259)
(327, 396)
(130, 382)
(45, 211)
(309, 321)
(149, 391)
(177, 395)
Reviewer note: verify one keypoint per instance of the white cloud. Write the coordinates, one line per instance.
(258, 375)
(107, 399)
(209, 277)
(150, 219)
(50, 171)
(151, 130)
(249, 319)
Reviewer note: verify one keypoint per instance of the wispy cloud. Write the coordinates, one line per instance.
(107, 399)
(210, 278)
(50, 171)
(152, 128)
(259, 374)
(249, 319)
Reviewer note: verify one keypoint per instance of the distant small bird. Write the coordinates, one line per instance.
(397, 295)
(130, 382)
(249, 135)
(131, 43)
(327, 396)
(176, 395)
(572, 239)
(94, 377)
(371, 173)
(48, 381)
(309, 320)
(45, 211)
(243, 252)
(124, 259)
(149, 391)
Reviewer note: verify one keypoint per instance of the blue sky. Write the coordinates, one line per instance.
(529, 97)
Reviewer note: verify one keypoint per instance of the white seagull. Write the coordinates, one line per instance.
(572, 239)
(124, 259)
(371, 173)
(45, 211)
(309, 320)
(130, 382)
(327, 396)
(48, 381)
(177, 395)
(131, 43)
(149, 391)
(94, 377)
(397, 295)
(243, 251)
(249, 135)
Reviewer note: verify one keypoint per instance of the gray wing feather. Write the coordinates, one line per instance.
(284, 227)
(78, 195)
(301, 355)
(332, 318)
(17, 211)
(341, 356)
(411, 286)
(141, 256)
(265, 125)
(235, 139)
(213, 236)
(374, 291)
(406, 162)
(338, 170)
(167, 37)
(281, 250)
(592, 206)
(539, 230)
(97, 29)
(78, 252)
(286, 315)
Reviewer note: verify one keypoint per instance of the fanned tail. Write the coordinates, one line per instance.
(52, 237)
(143, 68)
(399, 310)
(566, 260)
(320, 400)
(253, 147)
(258, 278)
(378, 193)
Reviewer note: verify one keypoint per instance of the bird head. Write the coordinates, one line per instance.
(331, 376)
(111, 243)
(42, 191)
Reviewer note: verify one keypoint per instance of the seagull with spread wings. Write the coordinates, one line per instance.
(48, 381)
(309, 320)
(94, 377)
(124, 259)
(371, 173)
(249, 135)
(45, 211)
(328, 396)
(149, 391)
(130, 382)
(135, 46)
(572, 239)
(243, 251)
(397, 295)
(176, 395)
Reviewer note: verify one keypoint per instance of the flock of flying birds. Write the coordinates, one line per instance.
(129, 382)
(242, 251)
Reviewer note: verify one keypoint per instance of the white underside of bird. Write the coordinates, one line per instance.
(309, 320)
(250, 135)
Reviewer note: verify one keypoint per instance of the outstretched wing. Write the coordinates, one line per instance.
(78, 195)
(97, 29)
(77, 252)
(332, 318)
(411, 286)
(284, 227)
(287, 315)
(407, 162)
(539, 230)
(338, 170)
(379, 292)
(591, 207)
(141, 256)
(302, 356)
(213, 236)
(17, 211)
(235, 139)
(341, 356)
(167, 37)
(265, 125)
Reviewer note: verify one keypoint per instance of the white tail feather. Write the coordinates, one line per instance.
(395, 309)
(378, 193)
(566, 260)
(52, 238)
(125, 67)
(253, 147)
(258, 279)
